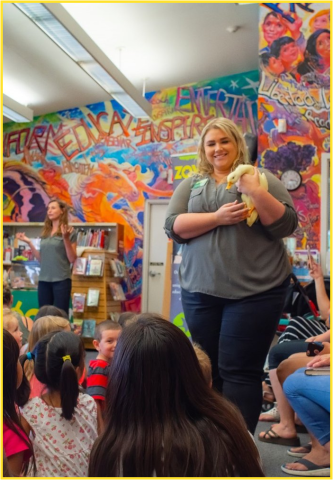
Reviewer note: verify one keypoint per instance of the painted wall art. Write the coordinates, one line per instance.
(294, 59)
(104, 163)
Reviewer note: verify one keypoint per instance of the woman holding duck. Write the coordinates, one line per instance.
(233, 276)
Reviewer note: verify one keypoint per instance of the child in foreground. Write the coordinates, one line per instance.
(17, 446)
(183, 428)
(63, 420)
(41, 327)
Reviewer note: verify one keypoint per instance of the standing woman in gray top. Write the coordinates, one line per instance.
(233, 277)
(57, 252)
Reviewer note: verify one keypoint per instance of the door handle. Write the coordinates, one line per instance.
(153, 274)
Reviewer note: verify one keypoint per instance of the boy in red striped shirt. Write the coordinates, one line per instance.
(105, 341)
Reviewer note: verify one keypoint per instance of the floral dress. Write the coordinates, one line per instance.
(62, 447)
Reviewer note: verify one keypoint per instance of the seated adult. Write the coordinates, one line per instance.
(302, 329)
(309, 396)
(284, 432)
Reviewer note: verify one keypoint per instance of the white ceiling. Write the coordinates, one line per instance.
(161, 44)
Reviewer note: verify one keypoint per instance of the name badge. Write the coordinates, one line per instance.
(200, 183)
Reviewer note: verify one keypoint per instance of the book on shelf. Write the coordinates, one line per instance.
(317, 371)
(88, 328)
(80, 266)
(95, 265)
(117, 267)
(79, 300)
(117, 291)
(77, 326)
(93, 297)
(92, 237)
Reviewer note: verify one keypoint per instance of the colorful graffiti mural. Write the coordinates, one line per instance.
(295, 86)
(104, 163)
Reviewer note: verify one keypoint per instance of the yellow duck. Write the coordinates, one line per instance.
(234, 176)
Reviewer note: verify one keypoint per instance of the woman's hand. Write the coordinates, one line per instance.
(231, 213)
(320, 361)
(315, 270)
(22, 236)
(248, 183)
(66, 231)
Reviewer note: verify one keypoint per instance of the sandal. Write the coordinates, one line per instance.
(313, 470)
(271, 415)
(272, 437)
(306, 449)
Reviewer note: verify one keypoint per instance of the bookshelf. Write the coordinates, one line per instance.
(114, 237)
(81, 284)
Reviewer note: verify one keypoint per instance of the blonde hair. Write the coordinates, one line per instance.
(321, 13)
(63, 220)
(41, 327)
(232, 131)
(205, 363)
(8, 316)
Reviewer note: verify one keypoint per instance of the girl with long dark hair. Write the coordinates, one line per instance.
(17, 446)
(316, 65)
(161, 417)
(64, 420)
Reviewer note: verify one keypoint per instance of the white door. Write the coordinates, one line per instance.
(154, 256)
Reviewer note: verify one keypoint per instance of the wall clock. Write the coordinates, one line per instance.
(291, 179)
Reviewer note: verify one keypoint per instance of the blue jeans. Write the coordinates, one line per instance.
(310, 398)
(55, 293)
(236, 335)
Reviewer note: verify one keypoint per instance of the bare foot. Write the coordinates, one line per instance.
(306, 449)
(282, 430)
(319, 457)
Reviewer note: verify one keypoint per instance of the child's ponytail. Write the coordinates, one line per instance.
(23, 392)
(57, 356)
(69, 388)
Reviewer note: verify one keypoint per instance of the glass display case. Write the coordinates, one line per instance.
(24, 275)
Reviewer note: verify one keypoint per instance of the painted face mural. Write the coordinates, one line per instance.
(300, 95)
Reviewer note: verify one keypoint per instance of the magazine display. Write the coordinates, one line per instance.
(88, 328)
(79, 300)
(93, 297)
(95, 265)
(80, 266)
(117, 291)
(117, 267)
(77, 326)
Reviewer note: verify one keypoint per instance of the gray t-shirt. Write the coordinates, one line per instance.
(54, 264)
(231, 261)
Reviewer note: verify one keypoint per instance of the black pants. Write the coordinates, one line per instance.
(55, 293)
(236, 334)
